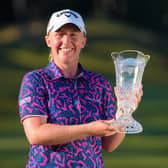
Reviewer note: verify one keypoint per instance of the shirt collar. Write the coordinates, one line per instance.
(55, 72)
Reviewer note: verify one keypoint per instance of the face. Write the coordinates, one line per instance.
(66, 44)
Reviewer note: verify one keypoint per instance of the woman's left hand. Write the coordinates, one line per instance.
(137, 98)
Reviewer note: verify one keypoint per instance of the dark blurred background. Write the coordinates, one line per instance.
(151, 13)
(112, 25)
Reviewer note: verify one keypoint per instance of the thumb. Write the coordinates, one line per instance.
(109, 122)
(115, 90)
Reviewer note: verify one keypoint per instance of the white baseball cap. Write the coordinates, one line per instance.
(60, 18)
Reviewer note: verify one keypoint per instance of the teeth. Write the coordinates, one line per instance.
(66, 49)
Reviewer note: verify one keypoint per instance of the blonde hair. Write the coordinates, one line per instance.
(51, 57)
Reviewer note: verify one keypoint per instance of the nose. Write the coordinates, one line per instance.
(66, 39)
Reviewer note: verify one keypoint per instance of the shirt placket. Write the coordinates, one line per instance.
(77, 98)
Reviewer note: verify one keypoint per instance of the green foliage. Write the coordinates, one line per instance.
(139, 151)
(23, 54)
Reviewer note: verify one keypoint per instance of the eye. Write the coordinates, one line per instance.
(74, 35)
(58, 35)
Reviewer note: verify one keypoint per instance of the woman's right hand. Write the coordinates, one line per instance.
(102, 128)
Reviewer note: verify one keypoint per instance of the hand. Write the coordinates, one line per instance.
(138, 96)
(135, 99)
(102, 128)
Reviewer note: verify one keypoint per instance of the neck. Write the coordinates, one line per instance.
(69, 71)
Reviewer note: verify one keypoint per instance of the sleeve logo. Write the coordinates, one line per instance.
(25, 100)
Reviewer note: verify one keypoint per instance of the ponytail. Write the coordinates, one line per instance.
(51, 57)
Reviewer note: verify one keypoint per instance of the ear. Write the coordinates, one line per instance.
(84, 42)
(48, 41)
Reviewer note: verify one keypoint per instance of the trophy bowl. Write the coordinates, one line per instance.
(129, 69)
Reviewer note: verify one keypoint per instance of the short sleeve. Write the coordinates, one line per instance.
(109, 102)
(32, 96)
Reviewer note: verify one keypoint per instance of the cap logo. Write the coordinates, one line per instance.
(60, 18)
(67, 14)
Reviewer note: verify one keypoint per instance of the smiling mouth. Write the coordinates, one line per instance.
(66, 49)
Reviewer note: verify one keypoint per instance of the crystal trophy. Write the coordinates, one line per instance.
(129, 68)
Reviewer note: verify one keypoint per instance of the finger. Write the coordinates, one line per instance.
(115, 90)
(141, 86)
(121, 130)
(111, 130)
(141, 91)
(111, 133)
(139, 96)
(108, 122)
(117, 129)
(114, 127)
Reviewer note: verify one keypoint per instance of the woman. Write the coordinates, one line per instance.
(66, 110)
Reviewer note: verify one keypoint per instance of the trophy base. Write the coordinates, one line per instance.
(130, 125)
